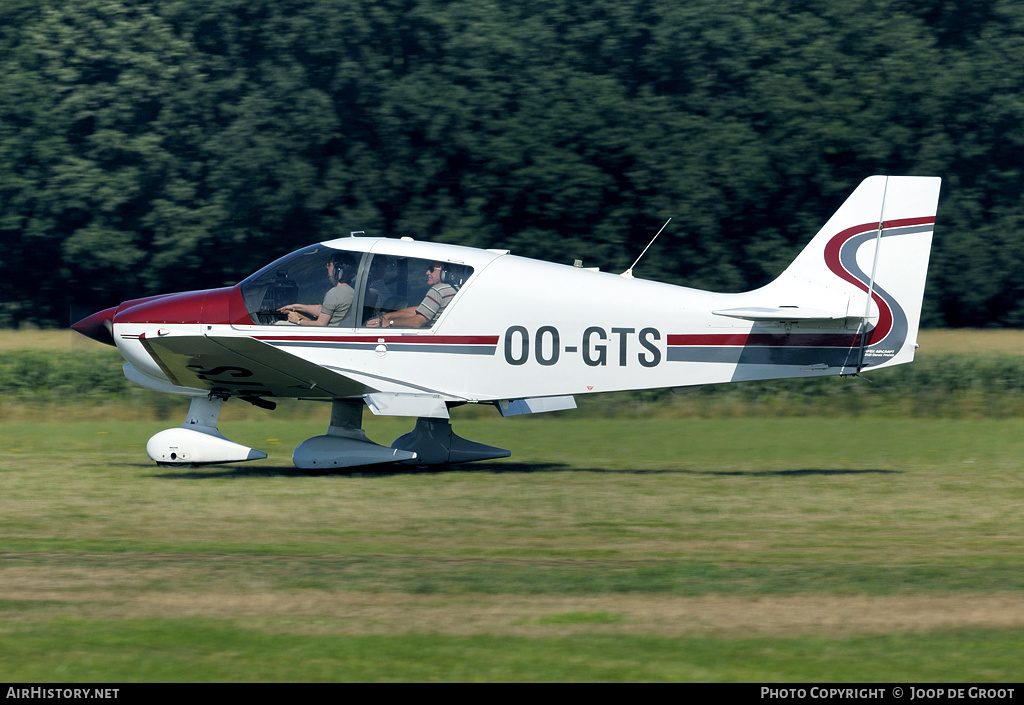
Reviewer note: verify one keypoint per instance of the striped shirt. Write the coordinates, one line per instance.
(435, 301)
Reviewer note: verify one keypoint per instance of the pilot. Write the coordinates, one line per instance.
(424, 315)
(337, 300)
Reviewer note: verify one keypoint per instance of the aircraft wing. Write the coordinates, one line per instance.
(245, 367)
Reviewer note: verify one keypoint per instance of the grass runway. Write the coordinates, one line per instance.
(750, 549)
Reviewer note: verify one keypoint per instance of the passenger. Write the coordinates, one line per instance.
(337, 301)
(427, 312)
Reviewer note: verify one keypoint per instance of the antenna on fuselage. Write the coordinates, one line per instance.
(629, 272)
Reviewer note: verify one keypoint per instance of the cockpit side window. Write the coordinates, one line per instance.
(386, 286)
(397, 284)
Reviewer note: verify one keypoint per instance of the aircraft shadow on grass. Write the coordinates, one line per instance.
(253, 471)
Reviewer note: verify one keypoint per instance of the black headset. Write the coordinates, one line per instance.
(455, 276)
(341, 269)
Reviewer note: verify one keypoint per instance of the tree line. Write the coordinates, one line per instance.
(154, 147)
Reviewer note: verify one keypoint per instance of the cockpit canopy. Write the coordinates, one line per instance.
(382, 283)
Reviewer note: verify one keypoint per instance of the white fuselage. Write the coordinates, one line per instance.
(526, 328)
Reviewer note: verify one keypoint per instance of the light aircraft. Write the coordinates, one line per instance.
(523, 335)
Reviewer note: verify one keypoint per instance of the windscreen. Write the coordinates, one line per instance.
(298, 278)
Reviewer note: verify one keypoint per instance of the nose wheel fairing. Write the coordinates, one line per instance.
(197, 441)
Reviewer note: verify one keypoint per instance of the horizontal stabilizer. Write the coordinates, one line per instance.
(245, 367)
(783, 313)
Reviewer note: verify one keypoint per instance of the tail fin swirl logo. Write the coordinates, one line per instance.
(890, 331)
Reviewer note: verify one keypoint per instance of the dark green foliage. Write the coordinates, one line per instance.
(62, 377)
(150, 148)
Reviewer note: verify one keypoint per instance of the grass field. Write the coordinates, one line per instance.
(749, 549)
(710, 550)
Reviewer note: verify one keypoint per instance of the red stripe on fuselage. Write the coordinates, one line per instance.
(391, 339)
(809, 340)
